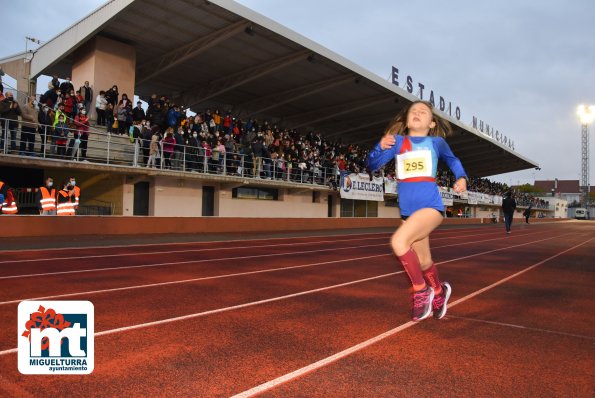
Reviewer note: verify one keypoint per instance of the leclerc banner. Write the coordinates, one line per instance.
(360, 187)
(447, 196)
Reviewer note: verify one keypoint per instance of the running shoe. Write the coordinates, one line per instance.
(421, 304)
(440, 302)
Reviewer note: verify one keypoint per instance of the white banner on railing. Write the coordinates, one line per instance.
(390, 186)
(359, 187)
(447, 196)
(478, 198)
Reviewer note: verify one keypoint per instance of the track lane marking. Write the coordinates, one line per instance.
(342, 354)
(184, 317)
(514, 326)
(33, 260)
(219, 259)
(223, 241)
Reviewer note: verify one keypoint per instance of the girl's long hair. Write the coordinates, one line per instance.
(398, 124)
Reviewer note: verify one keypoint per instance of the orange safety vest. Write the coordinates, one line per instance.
(77, 193)
(65, 208)
(48, 199)
(8, 206)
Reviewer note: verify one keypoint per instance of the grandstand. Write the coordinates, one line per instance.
(224, 56)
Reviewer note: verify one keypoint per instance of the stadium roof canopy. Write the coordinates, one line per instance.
(221, 55)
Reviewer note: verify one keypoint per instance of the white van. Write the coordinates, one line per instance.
(580, 213)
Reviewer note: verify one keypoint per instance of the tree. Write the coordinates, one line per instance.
(528, 188)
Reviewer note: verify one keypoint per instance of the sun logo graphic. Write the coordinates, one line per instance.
(56, 337)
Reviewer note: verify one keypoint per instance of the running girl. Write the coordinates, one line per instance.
(416, 136)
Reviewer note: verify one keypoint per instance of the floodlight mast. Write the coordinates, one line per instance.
(586, 115)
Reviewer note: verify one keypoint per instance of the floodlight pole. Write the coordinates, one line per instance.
(585, 164)
(587, 115)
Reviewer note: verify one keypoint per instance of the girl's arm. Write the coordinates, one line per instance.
(454, 164)
(378, 156)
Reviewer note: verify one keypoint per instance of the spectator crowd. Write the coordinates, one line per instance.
(209, 141)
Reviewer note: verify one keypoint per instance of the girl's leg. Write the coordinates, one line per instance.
(442, 290)
(416, 230)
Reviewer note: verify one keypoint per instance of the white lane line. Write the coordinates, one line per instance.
(206, 242)
(514, 326)
(235, 307)
(342, 354)
(222, 276)
(390, 332)
(322, 236)
(186, 262)
(194, 279)
(206, 249)
(219, 259)
(78, 258)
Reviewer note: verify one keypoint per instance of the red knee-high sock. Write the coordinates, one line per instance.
(411, 264)
(432, 278)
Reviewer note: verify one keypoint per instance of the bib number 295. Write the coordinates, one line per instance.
(414, 165)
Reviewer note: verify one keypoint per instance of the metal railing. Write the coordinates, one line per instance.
(96, 146)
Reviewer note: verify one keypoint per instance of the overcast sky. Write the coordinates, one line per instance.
(522, 66)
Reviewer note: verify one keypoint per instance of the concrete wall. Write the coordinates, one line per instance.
(104, 63)
(171, 197)
(291, 203)
(28, 226)
(388, 212)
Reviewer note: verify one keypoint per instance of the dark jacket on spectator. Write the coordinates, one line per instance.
(138, 114)
(86, 93)
(258, 149)
(179, 142)
(146, 136)
(111, 96)
(8, 112)
(66, 86)
(50, 98)
(158, 117)
(508, 204)
(193, 145)
(172, 117)
(45, 118)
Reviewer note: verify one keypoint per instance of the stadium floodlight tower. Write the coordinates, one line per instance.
(587, 115)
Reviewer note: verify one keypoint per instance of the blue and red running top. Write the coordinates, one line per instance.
(421, 192)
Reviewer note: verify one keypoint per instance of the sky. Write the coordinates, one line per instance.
(521, 66)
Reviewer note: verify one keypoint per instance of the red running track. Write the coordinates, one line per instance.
(320, 316)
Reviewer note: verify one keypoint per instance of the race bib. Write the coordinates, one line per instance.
(414, 164)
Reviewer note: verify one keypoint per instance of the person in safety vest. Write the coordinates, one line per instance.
(46, 198)
(77, 193)
(7, 202)
(66, 200)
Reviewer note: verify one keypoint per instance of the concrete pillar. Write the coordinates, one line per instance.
(19, 69)
(104, 63)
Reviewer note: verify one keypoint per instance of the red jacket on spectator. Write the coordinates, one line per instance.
(168, 144)
(82, 124)
(69, 104)
(207, 148)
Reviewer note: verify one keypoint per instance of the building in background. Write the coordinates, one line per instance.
(566, 190)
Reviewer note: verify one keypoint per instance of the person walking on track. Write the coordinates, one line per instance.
(508, 207)
(416, 137)
(527, 213)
